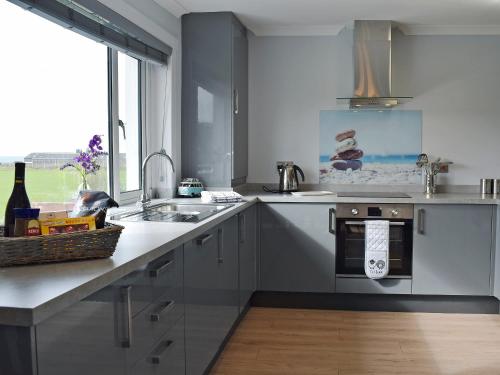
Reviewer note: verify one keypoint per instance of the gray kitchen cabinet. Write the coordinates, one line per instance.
(211, 293)
(297, 250)
(167, 356)
(88, 337)
(496, 285)
(452, 250)
(247, 254)
(214, 99)
(107, 332)
(240, 103)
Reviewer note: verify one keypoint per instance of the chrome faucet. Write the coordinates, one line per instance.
(145, 198)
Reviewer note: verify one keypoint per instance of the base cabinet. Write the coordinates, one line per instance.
(247, 254)
(496, 284)
(452, 250)
(211, 292)
(167, 356)
(297, 250)
(85, 338)
(114, 328)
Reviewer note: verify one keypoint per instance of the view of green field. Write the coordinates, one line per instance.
(46, 185)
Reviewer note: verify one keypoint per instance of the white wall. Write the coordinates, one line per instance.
(455, 81)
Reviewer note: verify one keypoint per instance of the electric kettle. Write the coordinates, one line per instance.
(289, 180)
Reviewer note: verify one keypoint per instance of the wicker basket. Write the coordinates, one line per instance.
(100, 243)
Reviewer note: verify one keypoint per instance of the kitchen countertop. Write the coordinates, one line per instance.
(415, 198)
(30, 294)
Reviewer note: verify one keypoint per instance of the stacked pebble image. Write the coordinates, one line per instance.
(347, 154)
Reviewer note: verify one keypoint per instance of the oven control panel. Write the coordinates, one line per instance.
(375, 211)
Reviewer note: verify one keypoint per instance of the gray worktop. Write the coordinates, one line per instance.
(30, 294)
(415, 198)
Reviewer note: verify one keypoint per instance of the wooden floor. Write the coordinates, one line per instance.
(319, 342)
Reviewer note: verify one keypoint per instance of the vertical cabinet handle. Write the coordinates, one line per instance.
(127, 316)
(242, 228)
(220, 248)
(236, 102)
(421, 221)
(331, 220)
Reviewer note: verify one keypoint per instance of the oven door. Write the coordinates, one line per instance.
(351, 248)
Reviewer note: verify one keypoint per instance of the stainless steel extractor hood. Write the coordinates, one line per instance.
(372, 66)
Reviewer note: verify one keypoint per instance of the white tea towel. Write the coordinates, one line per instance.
(376, 248)
(221, 197)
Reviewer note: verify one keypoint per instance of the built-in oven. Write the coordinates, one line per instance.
(350, 237)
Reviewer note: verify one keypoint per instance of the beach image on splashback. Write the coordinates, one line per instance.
(370, 147)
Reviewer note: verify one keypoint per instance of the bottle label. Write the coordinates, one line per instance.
(19, 181)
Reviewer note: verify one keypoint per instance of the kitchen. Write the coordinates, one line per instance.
(277, 283)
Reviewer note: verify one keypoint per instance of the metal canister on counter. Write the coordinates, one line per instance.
(496, 186)
(486, 186)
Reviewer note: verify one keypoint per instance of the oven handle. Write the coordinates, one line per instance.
(331, 220)
(391, 223)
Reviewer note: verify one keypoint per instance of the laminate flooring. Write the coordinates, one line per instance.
(325, 342)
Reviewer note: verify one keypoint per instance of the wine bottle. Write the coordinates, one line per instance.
(18, 199)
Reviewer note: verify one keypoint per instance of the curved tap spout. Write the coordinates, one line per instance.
(145, 198)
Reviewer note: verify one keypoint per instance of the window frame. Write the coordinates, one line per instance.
(132, 196)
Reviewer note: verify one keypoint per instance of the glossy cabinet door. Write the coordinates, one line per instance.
(166, 357)
(496, 286)
(297, 250)
(452, 250)
(227, 274)
(200, 285)
(211, 293)
(109, 331)
(214, 99)
(240, 102)
(247, 254)
(89, 337)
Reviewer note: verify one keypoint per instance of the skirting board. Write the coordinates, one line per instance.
(371, 302)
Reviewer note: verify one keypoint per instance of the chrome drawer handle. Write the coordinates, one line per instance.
(158, 271)
(200, 241)
(163, 308)
(160, 351)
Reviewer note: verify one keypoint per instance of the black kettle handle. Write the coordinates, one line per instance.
(297, 168)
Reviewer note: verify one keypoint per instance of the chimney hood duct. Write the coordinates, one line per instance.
(372, 66)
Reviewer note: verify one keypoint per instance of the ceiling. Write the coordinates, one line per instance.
(326, 17)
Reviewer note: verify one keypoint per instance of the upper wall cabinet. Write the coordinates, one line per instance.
(214, 99)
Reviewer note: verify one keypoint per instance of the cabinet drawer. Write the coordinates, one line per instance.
(165, 273)
(369, 286)
(153, 280)
(155, 321)
(166, 356)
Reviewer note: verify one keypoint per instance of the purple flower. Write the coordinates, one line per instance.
(87, 162)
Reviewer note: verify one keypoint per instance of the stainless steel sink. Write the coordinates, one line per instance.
(173, 212)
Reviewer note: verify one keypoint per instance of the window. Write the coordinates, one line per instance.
(55, 93)
(129, 114)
